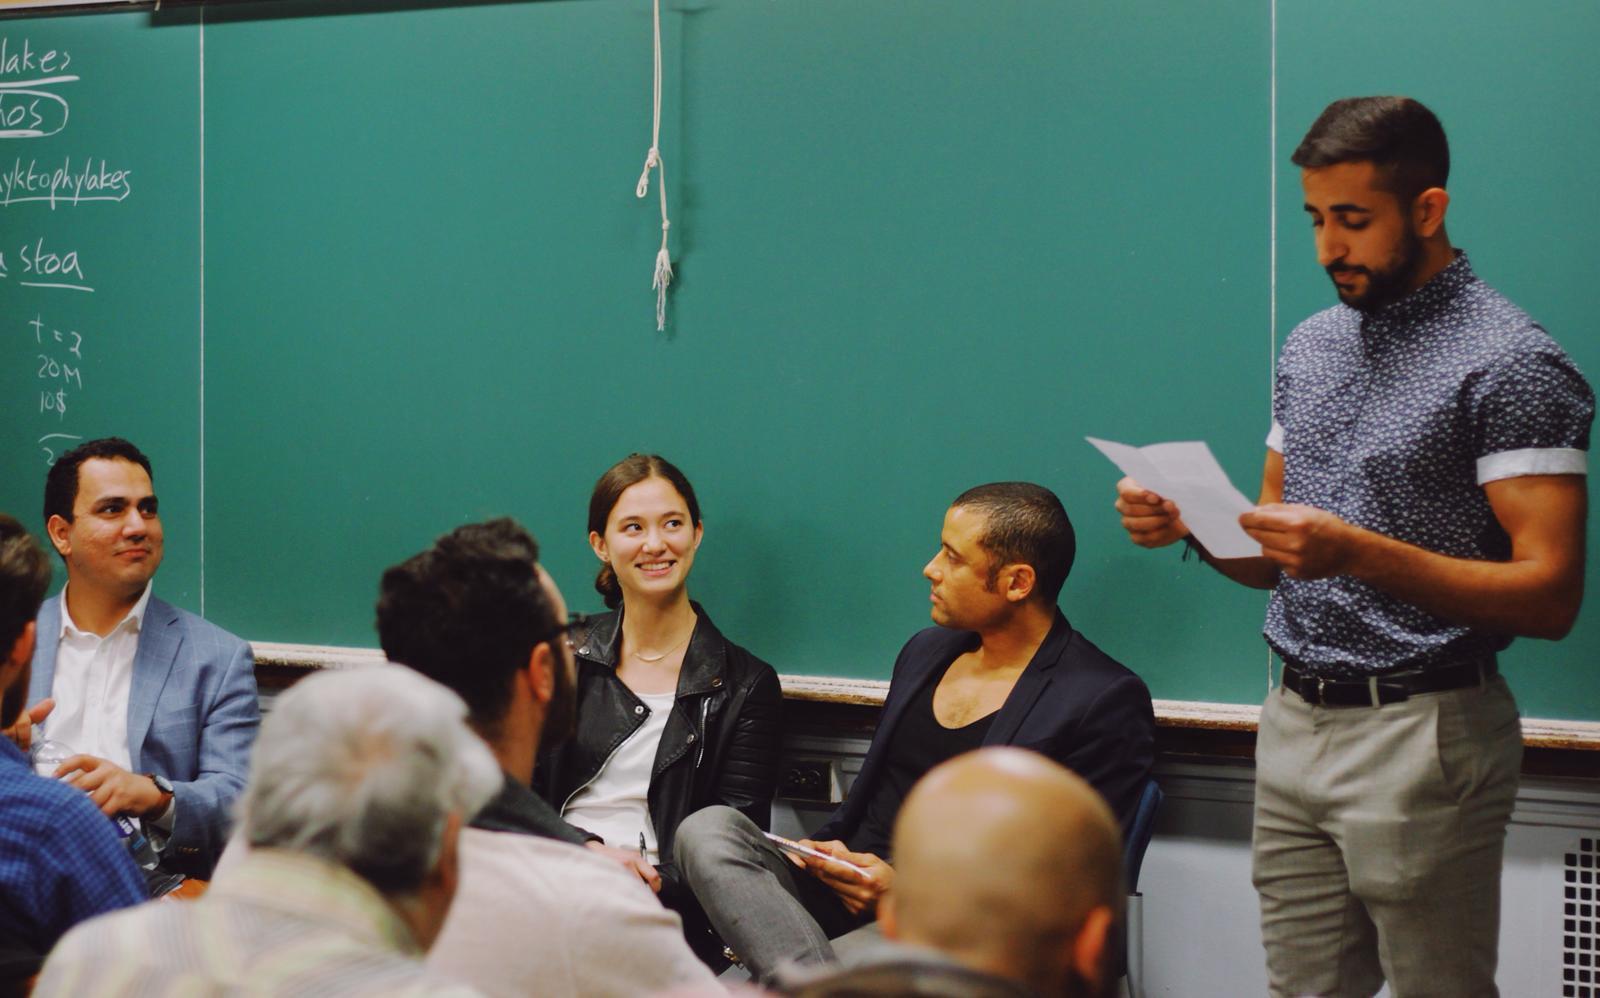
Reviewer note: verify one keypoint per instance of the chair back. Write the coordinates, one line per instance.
(1138, 839)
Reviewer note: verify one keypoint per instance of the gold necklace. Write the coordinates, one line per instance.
(653, 660)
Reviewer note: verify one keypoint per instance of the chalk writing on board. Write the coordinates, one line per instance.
(71, 337)
(48, 267)
(34, 82)
(66, 182)
(29, 61)
(58, 359)
(51, 442)
(30, 108)
(27, 111)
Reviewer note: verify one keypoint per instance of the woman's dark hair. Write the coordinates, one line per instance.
(628, 472)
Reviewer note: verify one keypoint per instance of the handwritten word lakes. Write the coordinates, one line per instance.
(63, 183)
(27, 59)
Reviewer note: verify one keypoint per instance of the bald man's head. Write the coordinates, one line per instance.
(1009, 863)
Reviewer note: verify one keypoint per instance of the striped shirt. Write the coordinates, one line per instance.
(280, 924)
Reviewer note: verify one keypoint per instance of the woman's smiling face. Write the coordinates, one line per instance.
(649, 540)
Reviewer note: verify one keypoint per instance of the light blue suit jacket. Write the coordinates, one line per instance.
(192, 717)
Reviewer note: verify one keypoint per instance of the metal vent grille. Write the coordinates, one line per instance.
(1580, 923)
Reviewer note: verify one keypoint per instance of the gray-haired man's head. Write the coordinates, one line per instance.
(375, 770)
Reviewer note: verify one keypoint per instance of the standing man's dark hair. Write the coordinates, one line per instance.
(467, 612)
(1397, 134)
(1025, 524)
(61, 482)
(24, 579)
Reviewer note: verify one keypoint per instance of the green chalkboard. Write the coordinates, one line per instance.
(99, 244)
(920, 245)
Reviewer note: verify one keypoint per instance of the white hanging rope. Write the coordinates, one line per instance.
(652, 161)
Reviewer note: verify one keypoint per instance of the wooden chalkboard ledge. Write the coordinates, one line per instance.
(1226, 727)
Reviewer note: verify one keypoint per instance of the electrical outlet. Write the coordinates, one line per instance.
(809, 780)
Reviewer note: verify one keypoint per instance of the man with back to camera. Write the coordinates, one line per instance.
(1423, 502)
(537, 913)
(60, 860)
(1002, 668)
(362, 781)
(983, 904)
(159, 704)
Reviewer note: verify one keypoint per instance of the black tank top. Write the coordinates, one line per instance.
(919, 743)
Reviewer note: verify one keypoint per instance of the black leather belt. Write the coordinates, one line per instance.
(1391, 687)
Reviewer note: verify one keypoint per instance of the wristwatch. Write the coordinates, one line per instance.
(162, 783)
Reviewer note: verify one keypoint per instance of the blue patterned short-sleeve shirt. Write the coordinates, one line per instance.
(1394, 421)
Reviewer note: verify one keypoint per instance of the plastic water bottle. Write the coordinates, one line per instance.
(137, 844)
(47, 755)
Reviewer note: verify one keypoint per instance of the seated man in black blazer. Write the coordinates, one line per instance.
(1002, 668)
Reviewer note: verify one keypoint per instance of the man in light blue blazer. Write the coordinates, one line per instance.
(159, 706)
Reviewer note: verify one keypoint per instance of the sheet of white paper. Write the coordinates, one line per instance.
(1188, 473)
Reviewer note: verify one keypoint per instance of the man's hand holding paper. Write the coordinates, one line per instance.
(1306, 542)
(1150, 520)
(1164, 477)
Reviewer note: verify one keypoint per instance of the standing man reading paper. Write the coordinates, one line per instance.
(1423, 503)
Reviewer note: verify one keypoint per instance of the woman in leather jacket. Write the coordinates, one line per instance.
(672, 716)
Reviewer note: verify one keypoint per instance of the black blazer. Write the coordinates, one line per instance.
(1073, 703)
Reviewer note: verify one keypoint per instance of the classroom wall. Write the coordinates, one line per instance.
(383, 271)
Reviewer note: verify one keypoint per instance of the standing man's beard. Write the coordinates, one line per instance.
(1389, 284)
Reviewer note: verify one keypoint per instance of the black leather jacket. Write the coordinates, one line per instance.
(720, 745)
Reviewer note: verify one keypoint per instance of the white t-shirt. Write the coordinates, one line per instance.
(614, 805)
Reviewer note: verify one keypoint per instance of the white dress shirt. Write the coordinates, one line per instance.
(92, 683)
